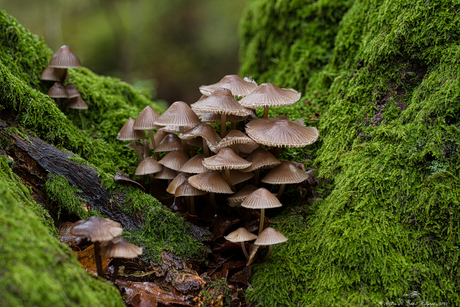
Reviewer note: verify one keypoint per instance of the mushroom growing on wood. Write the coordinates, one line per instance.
(212, 182)
(57, 91)
(260, 158)
(241, 235)
(226, 159)
(238, 86)
(118, 248)
(285, 173)
(64, 58)
(145, 121)
(186, 189)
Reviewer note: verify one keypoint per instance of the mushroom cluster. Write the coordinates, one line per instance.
(226, 160)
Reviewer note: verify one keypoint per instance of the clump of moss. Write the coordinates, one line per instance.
(387, 94)
(29, 253)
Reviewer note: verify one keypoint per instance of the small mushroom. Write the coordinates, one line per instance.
(145, 121)
(270, 237)
(241, 235)
(57, 91)
(118, 248)
(237, 85)
(186, 189)
(127, 133)
(285, 173)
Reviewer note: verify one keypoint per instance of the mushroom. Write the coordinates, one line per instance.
(145, 121)
(64, 58)
(261, 199)
(78, 103)
(149, 166)
(241, 235)
(71, 90)
(285, 173)
(269, 237)
(239, 142)
(212, 182)
(166, 173)
(127, 133)
(174, 160)
(260, 158)
(177, 181)
(226, 159)
(239, 196)
(238, 86)
(209, 136)
(169, 143)
(118, 248)
(54, 74)
(194, 165)
(97, 230)
(186, 189)
(237, 177)
(57, 91)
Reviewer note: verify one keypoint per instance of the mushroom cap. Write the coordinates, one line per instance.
(96, 229)
(270, 236)
(280, 131)
(54, 74)
(169, 143)
(221, 101)
(120, 248)
(261, 158)
(215, 118)
(238, 86)
(186, 189)
(71, 90)
(146, 119)
(148, 166)
(196, 142)
(159, 136)
(210, 181)
(194, 165)
(268, 94)
(127, 133)
(234, 137)
(261, 199)
(57, 91)
(239, 196)
(202, 130)
(136, 146)
(175, 129)
(178, 114)
(240, 235)
(77, 103)
(175, 159)
(177, 181)
(64, 58)
(166, 173)
(225, 159)
(238, 177)
(285, 173)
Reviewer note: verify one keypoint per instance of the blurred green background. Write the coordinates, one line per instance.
(168, 47)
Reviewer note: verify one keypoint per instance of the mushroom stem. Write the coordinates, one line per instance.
(138, 152)
(212, 199)
(233, 126)
(244, 250)
(223, 125)
(116, 265)
(97, 256)
(153, 144)
(262, 220)
(255, 179)
(280, 191)
(205, 148)
(192, 204)
(277, 151)
(227, 176)
(183, 141)
(266, 112)
(270, 249)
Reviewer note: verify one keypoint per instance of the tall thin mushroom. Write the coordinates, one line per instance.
(261, 199)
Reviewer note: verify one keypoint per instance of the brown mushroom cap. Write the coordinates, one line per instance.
(169, 143)
(57, 91)
(54, 74)
(221, 101)
(239, 196)
(71, 90)
(280, 131)
(148, 166)
(64, 58)
(178, 114)
(194, 165)
(166, 173)
(120, 248)
(261, 158)
(196, 142)
(127, 133)
(270, 236)
(159, 136)
(146, 119)
(202, 130)
(268, 94)
(240, 235)
(210, 181)
(285, 173)
(238, 177)
(234, 137)
(177, 181)
(225, 159)
(175, 159)
(261, 199)
(186, 189)
(77, 103)
(96, 229)
(238, 86)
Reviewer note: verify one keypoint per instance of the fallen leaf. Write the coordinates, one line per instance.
(88, 261)
(122, 178)
(242, 276)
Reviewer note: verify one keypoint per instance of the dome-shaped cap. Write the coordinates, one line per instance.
(196, 142)
(280, 131)
(239, 196)
(268, 94)
(146, 119)
(159, 136)
(285, 173)
(148, 166)
(237, 177)
(77, 103)
(214, 118)
(238, 86)
(64, 58)
(270, 236)
(261, 158)
(120, 248)
(186, 189)
(177, 181)
(169, 143)
(166, 173)
(202, 130)
(234, 137)
(54, 74)
(225, 159)
(240, 235)
(127, 133)
(57, 91)
(71, 90)
(210, 181)
(96, 229)
(261, 199)
(194, 165)
(174, 160)
(220, 102)
(178, 114)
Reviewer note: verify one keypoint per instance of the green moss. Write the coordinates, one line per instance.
(36, 269)
(388, 94)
